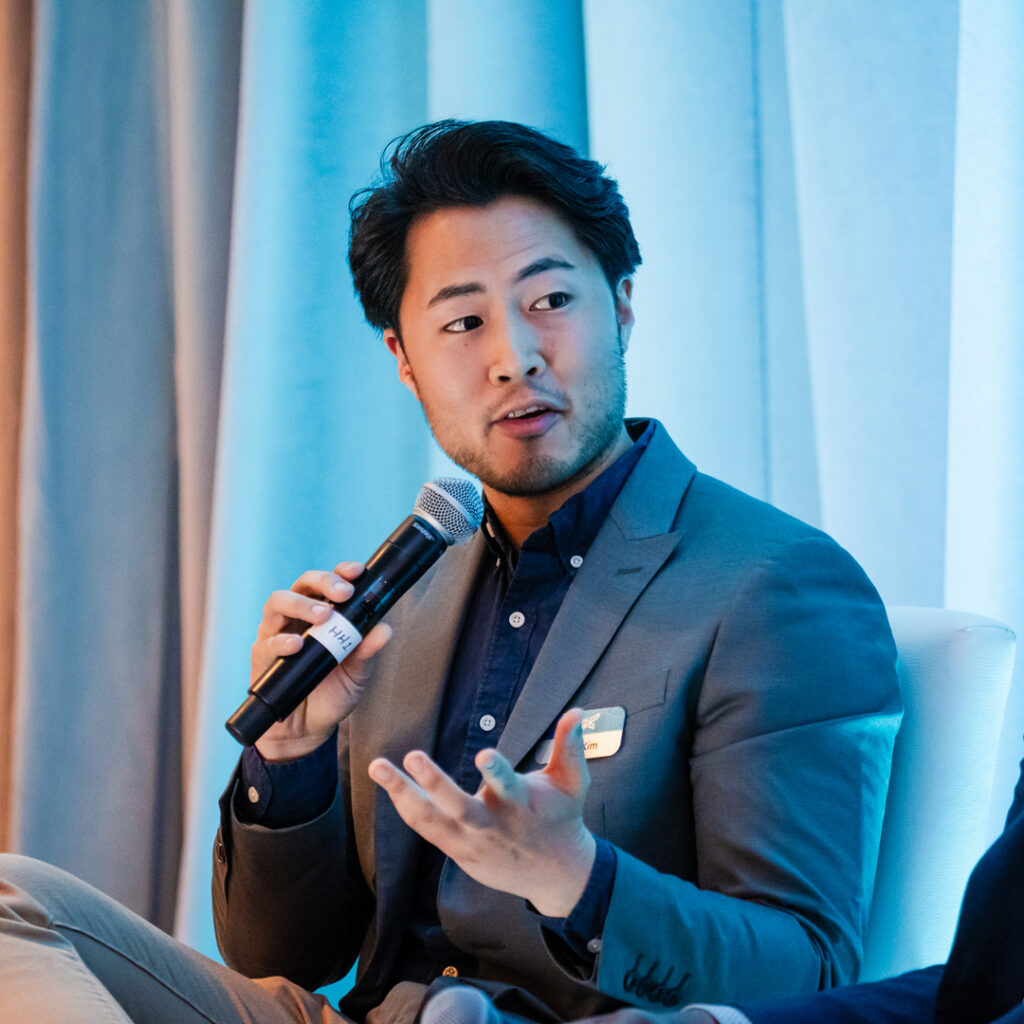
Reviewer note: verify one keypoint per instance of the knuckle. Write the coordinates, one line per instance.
(310, 580)
(428, 820)
(430, 816)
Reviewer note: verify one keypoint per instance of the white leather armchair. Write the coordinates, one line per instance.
(955, 671)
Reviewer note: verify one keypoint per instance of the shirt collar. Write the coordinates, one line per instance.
(572, 528)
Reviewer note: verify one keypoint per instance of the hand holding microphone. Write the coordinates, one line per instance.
(286, 616)
(447, 511)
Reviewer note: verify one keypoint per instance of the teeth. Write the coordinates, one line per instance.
(519, 413)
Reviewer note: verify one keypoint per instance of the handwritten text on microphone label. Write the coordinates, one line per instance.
(337, 634)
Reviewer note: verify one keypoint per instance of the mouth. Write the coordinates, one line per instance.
(527, 420)
(527, 412)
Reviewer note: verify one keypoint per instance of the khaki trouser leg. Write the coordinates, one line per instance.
(71, 955)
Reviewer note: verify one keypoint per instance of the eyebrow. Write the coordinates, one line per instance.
(453, 291)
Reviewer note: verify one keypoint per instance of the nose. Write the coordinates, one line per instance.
(516, 352)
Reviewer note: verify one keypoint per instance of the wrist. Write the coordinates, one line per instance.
(569, 880)
(276, 749)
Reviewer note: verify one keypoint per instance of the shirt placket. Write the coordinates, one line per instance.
(510, 646)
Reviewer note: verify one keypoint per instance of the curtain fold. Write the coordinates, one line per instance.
(320, 454)
(830, 315)
(97, 680)
(984, 542)
(203, 46)
(15, 83)
(518, 62)
(874, 191)
(672, 109)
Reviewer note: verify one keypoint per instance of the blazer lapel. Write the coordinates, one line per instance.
(608, 584)
(632, 545)
(429, 635)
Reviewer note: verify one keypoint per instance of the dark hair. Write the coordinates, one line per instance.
(473, 163)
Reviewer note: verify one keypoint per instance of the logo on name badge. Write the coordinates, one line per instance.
(602, 734)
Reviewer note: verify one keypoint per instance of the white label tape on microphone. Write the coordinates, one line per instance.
(337, 634)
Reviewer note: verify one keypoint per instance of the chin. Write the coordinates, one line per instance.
(531, 474)
(539, 476)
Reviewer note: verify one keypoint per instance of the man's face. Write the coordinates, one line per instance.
(513, 343)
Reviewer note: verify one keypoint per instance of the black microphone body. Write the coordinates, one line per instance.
(392, 569)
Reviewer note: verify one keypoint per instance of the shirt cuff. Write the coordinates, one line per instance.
(705, 1013)
(282, 794)
(581, 930)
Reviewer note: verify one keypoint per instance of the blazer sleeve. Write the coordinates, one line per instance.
(290, 901)
(789, 765)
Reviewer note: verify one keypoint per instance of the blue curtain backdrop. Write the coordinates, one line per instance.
(829, 197)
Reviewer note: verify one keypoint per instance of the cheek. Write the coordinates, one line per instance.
(448, 385)
(587, 353)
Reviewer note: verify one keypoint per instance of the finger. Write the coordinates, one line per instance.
(413, 805)
(285, 607)
(266, 650)
(374, 641)
(283, 644)
(567, 768)
(349, 570)
(357, 665)
(449, 799)
(500, 777)
(320, 583)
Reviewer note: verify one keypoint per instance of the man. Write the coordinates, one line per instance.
(681, 701)
(741, 660)
(982, 983)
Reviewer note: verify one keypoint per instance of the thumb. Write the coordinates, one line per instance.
(357, 664)
(567, 768)
(374, 641)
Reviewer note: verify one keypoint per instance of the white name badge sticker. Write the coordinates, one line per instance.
(337, 634)
(602, 734)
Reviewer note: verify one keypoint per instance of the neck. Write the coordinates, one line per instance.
(521, 514)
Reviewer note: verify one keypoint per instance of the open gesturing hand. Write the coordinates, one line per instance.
(519, 833)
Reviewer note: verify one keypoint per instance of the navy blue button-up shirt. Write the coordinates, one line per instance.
(514, 601)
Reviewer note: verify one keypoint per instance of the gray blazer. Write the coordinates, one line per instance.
(756, 668)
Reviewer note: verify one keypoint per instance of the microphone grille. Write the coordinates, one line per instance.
(453, 504)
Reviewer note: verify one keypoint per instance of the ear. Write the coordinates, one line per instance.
(394, 343)
(624, 310)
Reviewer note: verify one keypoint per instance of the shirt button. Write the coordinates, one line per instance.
(450, 972)
(253, 794)
(594, 946)
(488, 722)
(576, 561)
(516, 619)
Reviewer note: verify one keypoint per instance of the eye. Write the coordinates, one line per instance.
(463, 324)
(553, 301)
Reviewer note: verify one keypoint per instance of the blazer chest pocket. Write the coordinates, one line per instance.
(634, 693)
(632, 689)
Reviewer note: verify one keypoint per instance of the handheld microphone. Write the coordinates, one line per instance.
(447, 511)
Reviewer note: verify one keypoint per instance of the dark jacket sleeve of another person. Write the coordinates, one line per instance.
(983, 981)
(906, 999)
